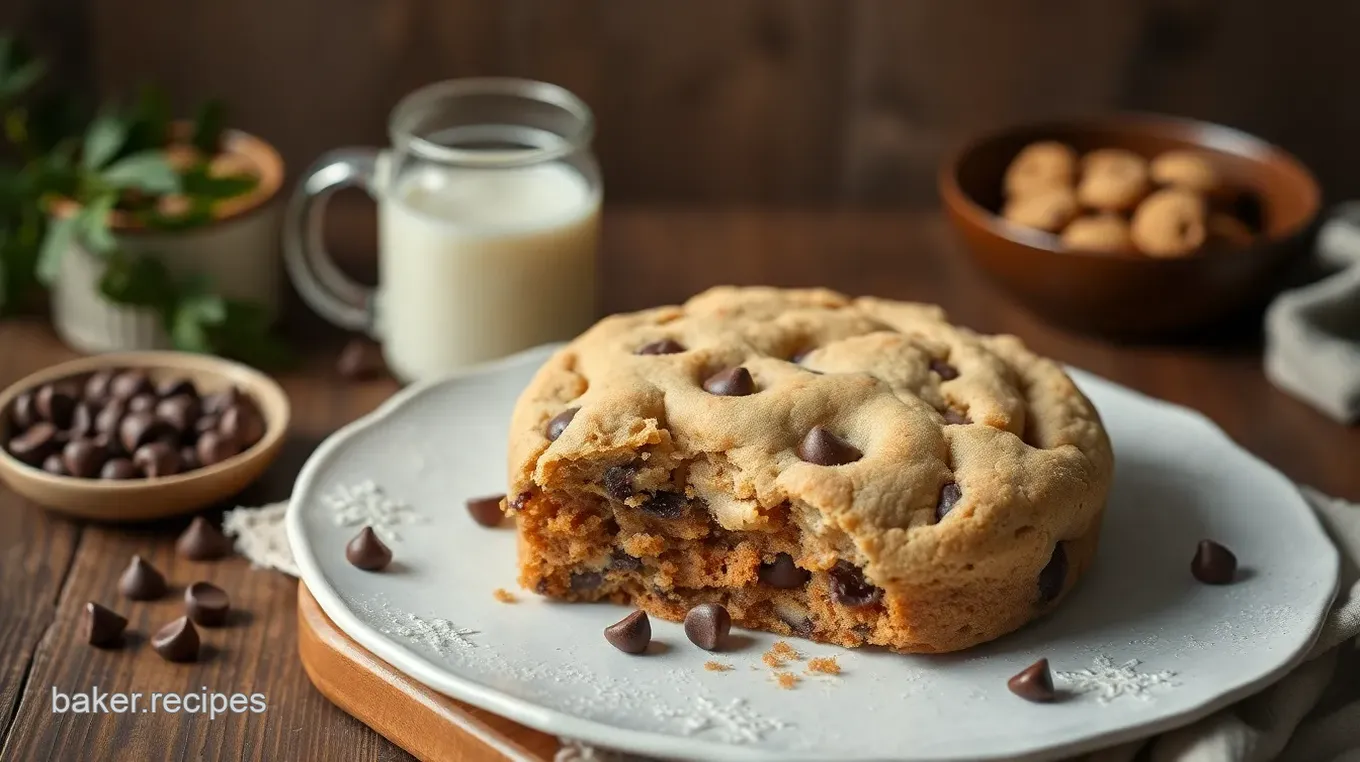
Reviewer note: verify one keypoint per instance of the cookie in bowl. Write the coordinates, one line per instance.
(854, 471)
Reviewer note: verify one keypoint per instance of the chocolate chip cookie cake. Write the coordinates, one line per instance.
(854, 471)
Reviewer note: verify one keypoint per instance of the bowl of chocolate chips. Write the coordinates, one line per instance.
(139, 435)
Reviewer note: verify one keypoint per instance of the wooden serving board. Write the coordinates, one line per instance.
(429, 725)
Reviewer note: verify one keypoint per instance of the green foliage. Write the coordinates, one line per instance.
(116, 164)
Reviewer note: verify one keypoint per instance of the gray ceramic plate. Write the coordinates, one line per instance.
(1140, 644)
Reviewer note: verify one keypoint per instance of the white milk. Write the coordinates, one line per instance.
(480, 263)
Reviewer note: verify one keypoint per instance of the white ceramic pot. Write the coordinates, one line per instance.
(238, 252)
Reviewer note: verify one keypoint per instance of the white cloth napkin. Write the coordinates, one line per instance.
(1313, 333)
(1310, 715)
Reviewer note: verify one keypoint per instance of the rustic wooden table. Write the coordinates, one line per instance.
(49, 566)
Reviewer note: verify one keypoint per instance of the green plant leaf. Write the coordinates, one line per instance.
(137, 281)
(19, 70)
(208, 126)
(106, 135)
(93, 224)
(150, 126)
(245, 335)
(197, 182)
(148, 171)
(195, 315)
(60, 234)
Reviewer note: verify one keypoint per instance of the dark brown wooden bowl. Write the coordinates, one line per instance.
(1129, 294)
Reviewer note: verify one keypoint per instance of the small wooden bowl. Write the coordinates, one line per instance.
(1131, 294)
(143, 499)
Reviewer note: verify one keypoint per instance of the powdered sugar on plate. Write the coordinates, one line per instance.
(1109, 681)
(366, 504)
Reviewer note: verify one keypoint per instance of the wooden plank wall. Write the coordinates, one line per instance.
(787, 102)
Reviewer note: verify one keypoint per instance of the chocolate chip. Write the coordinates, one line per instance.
(560, 422)
(141, 581)
(1054, 575)
(55, 403)
(97, 385)
(521, 500)
(180, 412)
(584, 582)
(950, 494)
(129, 384)
(360, 359)
(22, 414)
(53, 464)
(177, 386)
(242, 423)
(621, 561)
(1034, 683)
(1213, 564)
(177, 641)
(137, 429)
(618, 481)
(109, 418)
(82, 420)
(801, 626)
(783, 573)
(102, 627)
(662, 347)
(366, 551)
(142, 403)
(83, 458)
(217, 402)
(849, 587)
(826, 449)
(733, 382)
(206, 423)
(34, 445)
(207, 604)
(486, 510)
(157, 459)
(119, 468)
(665, 505)
(953, 417)
(201, 541)
(707, 624)
(213, 448)
(630, 634)
(944, 370)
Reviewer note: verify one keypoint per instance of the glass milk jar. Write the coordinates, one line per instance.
(488, 221)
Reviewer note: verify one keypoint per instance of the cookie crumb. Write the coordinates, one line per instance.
(716, 666)
(772, 661)
(782, 650)
(786, 680)
(504, 596)
(826, 665)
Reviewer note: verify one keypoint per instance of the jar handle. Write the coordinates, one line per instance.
(323, 286)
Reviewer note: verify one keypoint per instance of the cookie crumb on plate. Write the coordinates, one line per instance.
(717, 666)
(504, 596)
(787, 680)
(826, 665)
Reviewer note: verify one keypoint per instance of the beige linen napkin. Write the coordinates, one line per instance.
(1310, 715)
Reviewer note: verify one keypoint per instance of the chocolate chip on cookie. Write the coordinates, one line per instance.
(665, 505)
(733, 382)
(823, 448)
(1054, 575)
(944, 370)
(662, 347)
(850, 588)
(560, 422)
(950, 494)
(618, 481)
(783, 573)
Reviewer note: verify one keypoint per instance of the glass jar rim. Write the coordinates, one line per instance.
(530, 90)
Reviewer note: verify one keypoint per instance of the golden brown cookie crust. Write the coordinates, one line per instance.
(1027, 451)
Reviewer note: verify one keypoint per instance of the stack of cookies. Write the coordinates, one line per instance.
(1114, 200)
